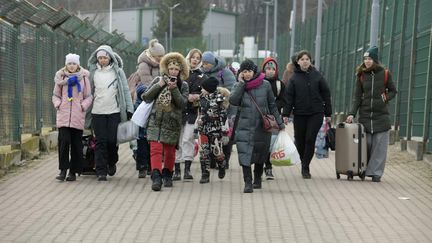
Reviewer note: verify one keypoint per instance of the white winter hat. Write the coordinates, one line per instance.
(72, 58)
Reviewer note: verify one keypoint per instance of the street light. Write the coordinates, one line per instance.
(210, 23)
(170, 24)
(266, 26)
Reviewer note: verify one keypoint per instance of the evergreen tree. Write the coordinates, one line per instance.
(187, 18)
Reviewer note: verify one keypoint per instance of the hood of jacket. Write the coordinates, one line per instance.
(219, 65)
(146, 58)
(116, 60)
(267, 60)
(184, 72)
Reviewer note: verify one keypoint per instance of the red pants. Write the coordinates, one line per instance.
(159, 151)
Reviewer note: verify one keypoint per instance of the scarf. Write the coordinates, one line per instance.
(254, 83)
(72, 81)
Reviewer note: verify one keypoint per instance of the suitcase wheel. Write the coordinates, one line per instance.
(337, 175)
(350, 176)
(363, 175)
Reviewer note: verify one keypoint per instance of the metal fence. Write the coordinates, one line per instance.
(33, 43)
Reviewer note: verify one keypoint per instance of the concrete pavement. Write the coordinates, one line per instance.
(34, 207)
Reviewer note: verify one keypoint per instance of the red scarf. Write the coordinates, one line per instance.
(254, 83)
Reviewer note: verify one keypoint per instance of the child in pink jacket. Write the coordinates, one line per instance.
(71, 98)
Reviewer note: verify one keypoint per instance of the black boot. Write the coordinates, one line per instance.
(205, 177)
(187, 175)
(157, 180)
(258, 170)
(177, 172)
(221, 172)
(247, 177)
(71, 176)
(305, 171)
(167, 177)
(62, 175)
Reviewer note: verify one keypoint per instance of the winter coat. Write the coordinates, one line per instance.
(367, 99)
(307, 93)
(71, 113)
(162, 126)
(250, 133)
(194, 83)
(148, 69)
(213, 113)
(123, 94)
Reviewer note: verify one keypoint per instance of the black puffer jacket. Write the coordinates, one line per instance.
(307, 93)
(194, 81)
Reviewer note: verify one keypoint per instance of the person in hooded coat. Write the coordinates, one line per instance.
(112, 104)
(169, 92)
(253, 142)
(373, 90)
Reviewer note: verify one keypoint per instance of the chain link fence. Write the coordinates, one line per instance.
(34, 41)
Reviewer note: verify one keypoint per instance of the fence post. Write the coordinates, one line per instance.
(400, 65)
(427, 110)
(411, 80)
(39, 112)
(19, 86)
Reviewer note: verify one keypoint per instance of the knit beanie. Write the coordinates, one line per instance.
(248, 64)
(209, 58)
(210, 84)
(372, 52)
(155, 48)
(72, 58)
(270, 62)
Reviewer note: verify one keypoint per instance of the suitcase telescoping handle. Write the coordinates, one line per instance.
(360, 137)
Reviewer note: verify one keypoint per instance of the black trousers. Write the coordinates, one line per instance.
(105, 129)
(70, 140)
(143, 155)
(306, 129)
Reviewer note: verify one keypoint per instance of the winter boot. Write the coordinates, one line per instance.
(187, 174)
(247, 177)
(205, 177)
(269, 174)
(258, 170)
(221, 172)
(62, 175)
(157, 180)
(142, 173)
(71, 176)
(305, 172)
(167, 177)
(177, 172)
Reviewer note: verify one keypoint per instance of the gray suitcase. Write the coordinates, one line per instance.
(351, 150)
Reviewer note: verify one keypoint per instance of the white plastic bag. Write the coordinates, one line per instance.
(284, 152)
(127, 131)
(142, 113)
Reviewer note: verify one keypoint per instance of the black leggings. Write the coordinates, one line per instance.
(306, 129)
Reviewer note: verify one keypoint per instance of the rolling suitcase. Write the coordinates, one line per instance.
(351, 150)
(89, 147)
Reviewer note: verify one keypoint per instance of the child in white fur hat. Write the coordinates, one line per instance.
(71, 98)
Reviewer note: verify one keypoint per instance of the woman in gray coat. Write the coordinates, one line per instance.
(253, 142)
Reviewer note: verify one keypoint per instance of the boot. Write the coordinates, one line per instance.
(71, 176)
(177, 172)
(187, 175)
(62, 175)
(257, 176)
(142, 173)
(247, 177)
(305, 172)
(205, 177)
(221, 172)
(167, 177)
(157, 180)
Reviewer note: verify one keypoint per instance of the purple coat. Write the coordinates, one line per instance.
(71, 113)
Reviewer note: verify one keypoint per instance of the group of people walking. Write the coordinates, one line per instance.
(197, 98)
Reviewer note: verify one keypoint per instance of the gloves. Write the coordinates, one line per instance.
(129, 115)
(72, 80)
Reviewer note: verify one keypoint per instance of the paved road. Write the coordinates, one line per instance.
(34, 207)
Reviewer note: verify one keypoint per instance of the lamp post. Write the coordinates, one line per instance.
(275, 28)
(110, 16)
(170, 24)
(212, 5)
(266, 27)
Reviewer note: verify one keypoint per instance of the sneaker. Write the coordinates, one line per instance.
(376, 178)
(112, 170)
(269, 174)
(142, 174)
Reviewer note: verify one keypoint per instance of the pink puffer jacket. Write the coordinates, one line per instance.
(71, 113)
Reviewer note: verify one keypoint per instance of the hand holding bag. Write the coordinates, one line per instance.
(269, 121)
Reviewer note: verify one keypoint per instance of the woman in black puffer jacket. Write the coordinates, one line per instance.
(308, 96)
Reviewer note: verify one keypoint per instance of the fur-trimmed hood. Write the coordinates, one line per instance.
(184, 72)
(225, 93)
